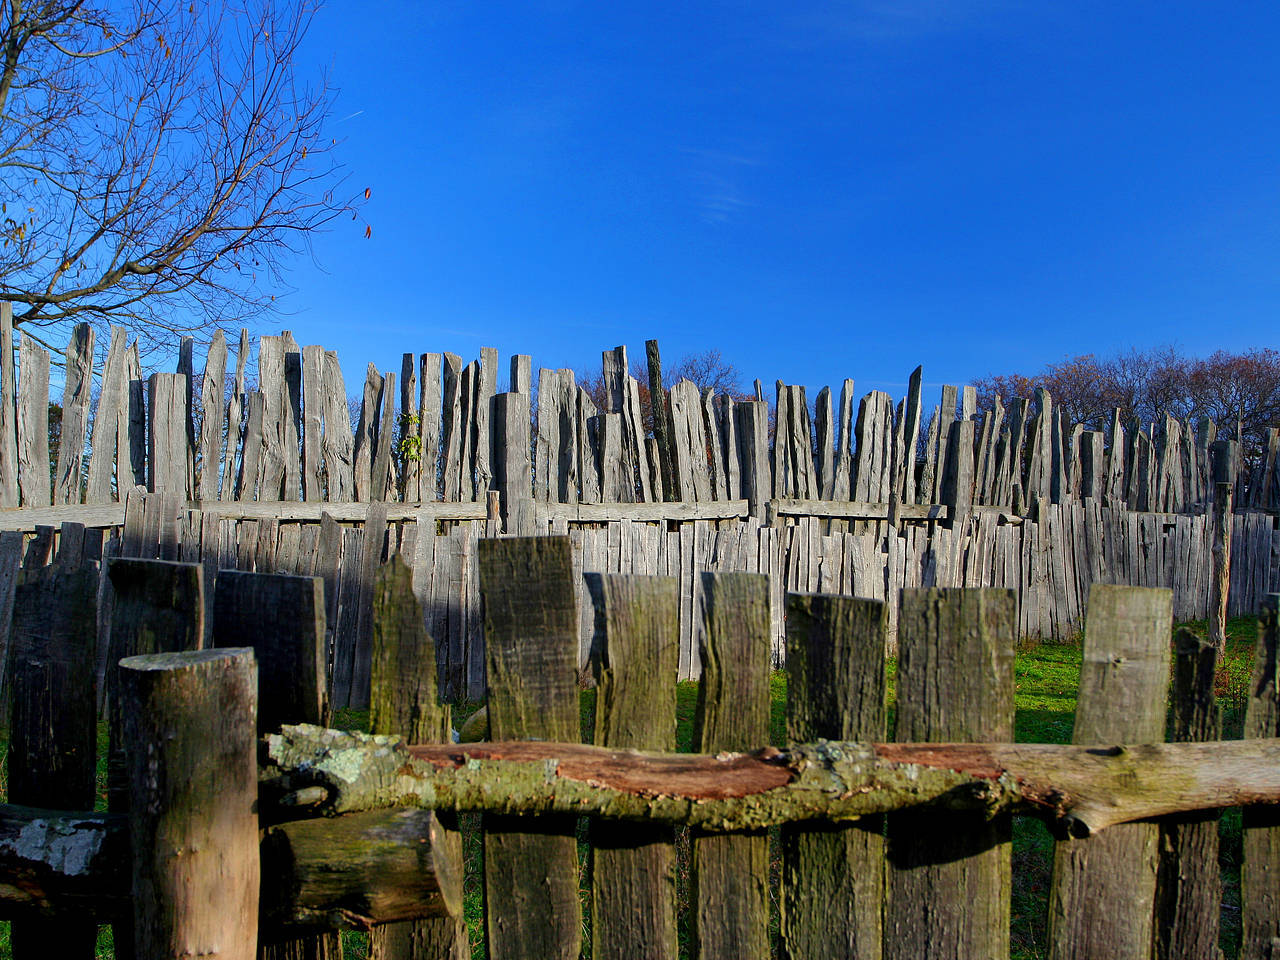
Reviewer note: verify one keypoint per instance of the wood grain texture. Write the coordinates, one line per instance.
(730, 873)
(949, 876)
(833, 883)
(78, 379)
(530, 625)
(404, 700)
(633, 879)
(33, 423)
(189, 722)
(1103, 891)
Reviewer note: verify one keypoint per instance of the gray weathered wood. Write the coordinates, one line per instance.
(78, 379)
(661, 418)
(633, 871)
(212, 385)
(366, 434)
(429, 425)
(730, 873)
(833, 877)
(167, 447)
(531, 638)
(511, 474)
(33, 423)
(189, 724)
(235, 416)
(314, 401)
(383, 476)
(1103, 892)
(451, 428)
(949, 877)
(338, 438)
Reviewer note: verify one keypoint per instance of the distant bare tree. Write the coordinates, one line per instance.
(159, 161)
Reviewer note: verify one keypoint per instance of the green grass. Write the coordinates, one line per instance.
(1046, 678)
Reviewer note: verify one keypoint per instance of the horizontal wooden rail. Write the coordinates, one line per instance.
(643, 512)
(1078, 790)
(856, 510)
(27, 519)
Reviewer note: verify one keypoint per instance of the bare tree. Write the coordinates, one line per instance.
(159, 161)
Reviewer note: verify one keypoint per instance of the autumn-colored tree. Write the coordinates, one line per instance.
(1229, 388)
(158, 161)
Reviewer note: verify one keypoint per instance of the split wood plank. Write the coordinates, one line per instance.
(530, 626)
(235, 417)
(78, 380)
(167, 447)
(338, 443)
(366, 434)
(33, 423)
(429, 425)
(313, 414)
(211, 417)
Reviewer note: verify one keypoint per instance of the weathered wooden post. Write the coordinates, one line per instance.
(633, 870)
(949, 877)
(404, 700)
(1222, 455)
(53, 724)
(157, 607)
(1189, 884)
(531, 642)
(1103, 895)
(283, 619)
(190, 733)
(731, 873)
(833, 877)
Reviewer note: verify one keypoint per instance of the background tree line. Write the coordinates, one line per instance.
(1237, 391)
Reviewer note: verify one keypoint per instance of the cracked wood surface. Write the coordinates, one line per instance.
(1077, 789)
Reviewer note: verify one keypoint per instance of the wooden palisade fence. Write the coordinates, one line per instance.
(273, 476)
(893, 843)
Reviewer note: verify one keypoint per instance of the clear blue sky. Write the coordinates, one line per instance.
(819, 190)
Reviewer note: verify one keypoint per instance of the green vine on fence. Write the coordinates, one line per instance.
(410, 445)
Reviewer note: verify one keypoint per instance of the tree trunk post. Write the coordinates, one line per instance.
(190, 725)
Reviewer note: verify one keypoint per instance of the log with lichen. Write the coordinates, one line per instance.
(1077, 790)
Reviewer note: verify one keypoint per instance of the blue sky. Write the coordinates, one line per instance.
(818, 190)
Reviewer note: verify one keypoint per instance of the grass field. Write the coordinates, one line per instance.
(1046, 677)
